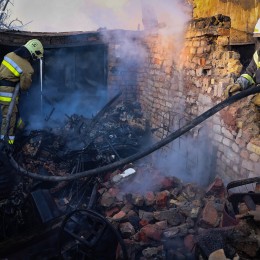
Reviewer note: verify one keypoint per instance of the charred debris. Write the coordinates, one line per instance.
(111, 215)
(31, 209)
(81, 144)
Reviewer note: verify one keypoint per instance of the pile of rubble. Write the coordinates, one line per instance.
(165, 221)
(135, 212)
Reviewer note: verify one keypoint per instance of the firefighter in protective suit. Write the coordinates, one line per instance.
(16, 67)
(251, 75)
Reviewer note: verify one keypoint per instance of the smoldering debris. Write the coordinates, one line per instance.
(116, 133)
(118, 212)
(171, 220)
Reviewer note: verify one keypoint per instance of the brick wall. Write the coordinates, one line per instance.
(124, 62)
(174, 89)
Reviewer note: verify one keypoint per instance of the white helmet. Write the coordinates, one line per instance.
(257, 29)
(35, 47)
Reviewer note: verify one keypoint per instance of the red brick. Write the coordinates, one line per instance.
(152, 232)
(229, 117)
(119, 215)
(111, 212)
(113, 191)
(149, 198)
(209, 216)
(161, 199)
(143, 222)
(217, 188)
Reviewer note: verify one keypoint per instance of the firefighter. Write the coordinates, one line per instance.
(251, 76)
(16, 67)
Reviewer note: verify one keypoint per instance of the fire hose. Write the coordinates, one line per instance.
(145, 152)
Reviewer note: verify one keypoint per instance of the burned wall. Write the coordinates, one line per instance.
(177, 88)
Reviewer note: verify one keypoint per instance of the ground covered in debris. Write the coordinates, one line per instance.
(114, 133)
(134, 212)
(176, 220)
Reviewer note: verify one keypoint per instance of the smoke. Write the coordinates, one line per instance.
(81, 15)
(189, 158)
(76, 15)
(64, 84)
(74, 82)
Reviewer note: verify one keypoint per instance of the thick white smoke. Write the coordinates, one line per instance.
(90, 15)
(82, 15)
(76, 15)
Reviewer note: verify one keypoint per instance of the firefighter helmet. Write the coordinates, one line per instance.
(257, 29)
(35, 47)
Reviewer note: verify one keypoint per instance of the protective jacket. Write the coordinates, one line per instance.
(252, 74)
(13, 69)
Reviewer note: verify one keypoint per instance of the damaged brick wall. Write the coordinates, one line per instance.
(159, 90)
(170, 89)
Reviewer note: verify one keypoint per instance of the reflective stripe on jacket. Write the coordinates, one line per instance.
(12, 66)
(11, 138)
(20, 123)
(256, 59)
(249, 78)
(251, 69)
(15, 69)
(6, 97)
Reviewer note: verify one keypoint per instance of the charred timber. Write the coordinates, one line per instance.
(147, 151)
(99, 115)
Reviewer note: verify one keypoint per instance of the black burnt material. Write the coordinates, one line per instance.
(37, 216)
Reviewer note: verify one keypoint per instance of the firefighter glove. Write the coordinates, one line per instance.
(255, 214)
(231, 89)
(243, 82)
(218, 254)
(256, 100)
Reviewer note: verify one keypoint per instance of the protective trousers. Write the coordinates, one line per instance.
(12, 124)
